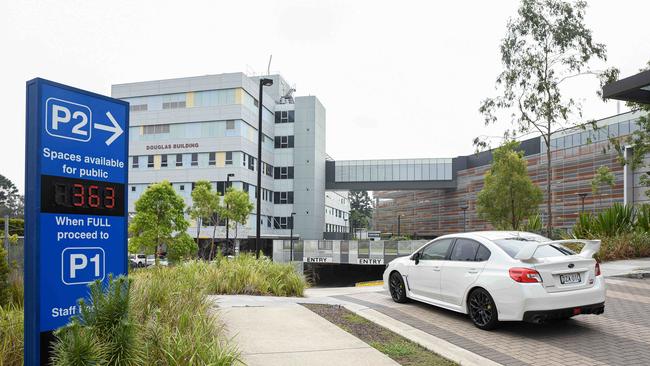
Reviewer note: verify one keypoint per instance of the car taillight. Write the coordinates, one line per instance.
(597, 268)
(525, 275)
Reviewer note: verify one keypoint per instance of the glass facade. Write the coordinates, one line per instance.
(393, 170)
(581, 137)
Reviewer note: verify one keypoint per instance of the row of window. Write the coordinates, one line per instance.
(465, 250)
(393, 170)
(331, 228)
(283, 172)
(590, 136)
(219, 159)
(335, 212)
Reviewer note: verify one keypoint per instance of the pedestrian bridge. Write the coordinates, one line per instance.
(362, 252)
(390, 174)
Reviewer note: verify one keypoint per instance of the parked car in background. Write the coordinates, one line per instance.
(496, 276)
(138, 260)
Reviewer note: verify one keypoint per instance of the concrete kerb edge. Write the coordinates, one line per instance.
(432, 343)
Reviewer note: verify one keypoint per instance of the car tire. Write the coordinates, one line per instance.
(397, 288)
(482, 310)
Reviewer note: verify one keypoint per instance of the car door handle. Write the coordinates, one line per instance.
(473, 271)
(436, 268)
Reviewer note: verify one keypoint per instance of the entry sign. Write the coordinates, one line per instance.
(75, 227)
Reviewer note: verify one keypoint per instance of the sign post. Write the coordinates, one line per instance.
(75, 204)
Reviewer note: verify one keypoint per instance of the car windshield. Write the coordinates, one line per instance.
(513, 245)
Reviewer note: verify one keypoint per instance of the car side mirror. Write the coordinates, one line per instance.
(416, 257)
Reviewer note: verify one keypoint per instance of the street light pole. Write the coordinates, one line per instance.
(464, 208)
(347, 229)
(260, 136)
(227, 219)
(291, 253)
(582, 198)
(399, 224)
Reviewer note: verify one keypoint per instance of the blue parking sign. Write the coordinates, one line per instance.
(75, 204)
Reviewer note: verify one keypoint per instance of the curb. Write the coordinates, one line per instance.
(432, 343)
(369, 283)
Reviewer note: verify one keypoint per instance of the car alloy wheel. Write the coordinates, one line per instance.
(482, 309)
(397, 288)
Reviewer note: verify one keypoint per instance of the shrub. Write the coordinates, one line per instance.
(5, 294)
(643, 218)
(11, 336)
(103, 331)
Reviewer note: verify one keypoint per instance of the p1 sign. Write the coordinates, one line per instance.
(75, 206)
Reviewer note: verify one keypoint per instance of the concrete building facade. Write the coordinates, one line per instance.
(205, 128)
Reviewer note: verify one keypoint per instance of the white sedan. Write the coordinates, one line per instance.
(498, 276)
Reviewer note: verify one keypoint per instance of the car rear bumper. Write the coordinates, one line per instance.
(540, 316)
(532, 298)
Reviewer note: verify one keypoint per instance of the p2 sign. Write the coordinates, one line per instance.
(75, 206)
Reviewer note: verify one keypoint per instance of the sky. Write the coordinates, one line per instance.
(398, 79)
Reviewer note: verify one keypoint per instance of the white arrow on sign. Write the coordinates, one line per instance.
(115, 128)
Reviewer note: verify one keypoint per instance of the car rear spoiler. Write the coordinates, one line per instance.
(528, 251)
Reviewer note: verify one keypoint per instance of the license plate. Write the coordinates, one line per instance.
(569, 278)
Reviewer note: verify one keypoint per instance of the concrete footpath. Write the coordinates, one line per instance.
(278, 331)
(625, 267)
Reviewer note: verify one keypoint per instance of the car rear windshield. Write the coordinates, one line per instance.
(513, 245)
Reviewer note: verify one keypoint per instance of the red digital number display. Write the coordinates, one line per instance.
(67, 195)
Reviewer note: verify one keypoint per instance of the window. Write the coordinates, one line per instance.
(512, 246)
(464, 250)
(137, 107)
(179, 159)
(228, 157)
(132, 188)
(195, 159)
(285, 172)
(245, 187)
(212, 158)
(230, 125)
(251, 163)
(282, 142)
(182, 187)
(150, 161)
(163, 161)
(244, 159)
(221, 188)
(282, 222)
(284, 116)
(155, 129)
(436, 250)
(483, 254)
(283, 197)
(135, 163)
(267, 169)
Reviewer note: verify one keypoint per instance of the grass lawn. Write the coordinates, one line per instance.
(400, 349)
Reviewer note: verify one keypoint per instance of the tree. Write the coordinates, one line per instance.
(360, 209)
(11, 203)
(159, 221)
(5, 294)
(602, 177)
(547, 44)
(238, 207)
(639, 141)
(508, 196)
(205, 206)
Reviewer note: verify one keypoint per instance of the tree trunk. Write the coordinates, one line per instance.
(214, 230)
(549, 227)
(198, 232)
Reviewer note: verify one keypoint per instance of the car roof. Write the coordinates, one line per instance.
(494, 235)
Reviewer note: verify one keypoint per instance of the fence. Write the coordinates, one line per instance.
(364, 252)
(16, 255)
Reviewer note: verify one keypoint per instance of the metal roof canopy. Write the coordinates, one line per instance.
(635, 88)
